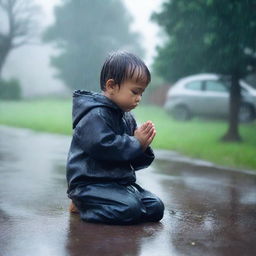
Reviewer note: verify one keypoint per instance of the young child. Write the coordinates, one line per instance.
(107, 147)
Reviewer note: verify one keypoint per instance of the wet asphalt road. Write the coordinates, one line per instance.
(209, 211)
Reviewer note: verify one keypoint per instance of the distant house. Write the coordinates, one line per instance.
(158, 95)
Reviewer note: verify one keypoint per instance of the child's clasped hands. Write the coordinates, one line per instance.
(145, 134)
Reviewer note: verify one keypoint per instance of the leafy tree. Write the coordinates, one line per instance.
(84, 32)
(17, 25)
(209, 36)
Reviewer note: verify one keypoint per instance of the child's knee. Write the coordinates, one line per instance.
(159, 209)
(156, 210)
(131, 212)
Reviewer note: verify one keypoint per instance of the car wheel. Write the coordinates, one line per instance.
(246, 113)
(181, 113)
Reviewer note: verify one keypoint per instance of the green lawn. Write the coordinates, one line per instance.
(196, 138)
(46, 115)
(201, 139)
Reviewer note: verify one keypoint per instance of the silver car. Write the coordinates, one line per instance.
(207, 95)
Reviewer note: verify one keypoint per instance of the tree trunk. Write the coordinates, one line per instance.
(5, 47)
(234, 105)
(2, 61)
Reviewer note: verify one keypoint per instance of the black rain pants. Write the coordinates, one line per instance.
(114, 203)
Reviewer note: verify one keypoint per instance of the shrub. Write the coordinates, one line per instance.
(10, 90)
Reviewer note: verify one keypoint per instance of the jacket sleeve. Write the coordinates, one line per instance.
(143, 160)
(96, 137)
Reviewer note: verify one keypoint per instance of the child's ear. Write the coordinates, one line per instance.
(110, 86)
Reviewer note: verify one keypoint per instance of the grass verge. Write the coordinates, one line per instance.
(197, 138)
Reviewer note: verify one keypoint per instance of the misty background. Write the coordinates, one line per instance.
(30, 64)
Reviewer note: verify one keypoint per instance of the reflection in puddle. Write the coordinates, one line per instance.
(97, 239)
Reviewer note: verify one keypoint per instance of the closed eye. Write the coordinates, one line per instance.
(136, 93)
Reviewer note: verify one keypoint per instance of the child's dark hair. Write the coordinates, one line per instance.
(121, 66)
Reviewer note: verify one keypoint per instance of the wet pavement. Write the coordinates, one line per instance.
(209, 210)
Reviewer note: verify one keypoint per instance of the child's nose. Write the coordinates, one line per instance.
(138, 98)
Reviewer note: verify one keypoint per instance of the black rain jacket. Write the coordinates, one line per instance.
(103, 147)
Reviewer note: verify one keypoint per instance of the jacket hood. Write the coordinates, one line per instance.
(84, 101)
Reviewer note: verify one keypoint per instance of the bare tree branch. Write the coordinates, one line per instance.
(19, 27)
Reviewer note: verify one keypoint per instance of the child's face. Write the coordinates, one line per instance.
(128, 96)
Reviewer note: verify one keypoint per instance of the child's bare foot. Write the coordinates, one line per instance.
(72, 208)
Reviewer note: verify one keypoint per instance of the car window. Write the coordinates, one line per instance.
(215, 86)
(195, 86)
